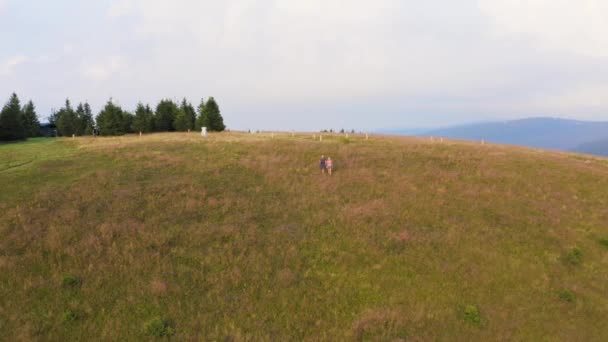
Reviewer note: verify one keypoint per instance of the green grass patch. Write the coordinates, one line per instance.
(574, 256)
(603, 242)
(158, 327)
(471, 314)
(69, 316)
(71, 282)
(567, 295)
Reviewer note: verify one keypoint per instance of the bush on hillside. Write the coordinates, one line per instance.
(574, 256)
(567, 295)
(158, 327)
(471, 314)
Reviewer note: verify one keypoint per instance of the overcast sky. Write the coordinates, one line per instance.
(312, 64)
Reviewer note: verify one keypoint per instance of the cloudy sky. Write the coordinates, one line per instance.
(304, 65)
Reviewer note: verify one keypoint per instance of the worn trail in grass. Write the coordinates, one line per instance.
(239, 236)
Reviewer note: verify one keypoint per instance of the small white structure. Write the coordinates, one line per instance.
(204, 131)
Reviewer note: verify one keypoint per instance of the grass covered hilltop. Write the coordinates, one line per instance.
(239, 237)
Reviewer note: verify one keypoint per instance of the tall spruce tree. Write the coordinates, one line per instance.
(11, 121)
(166, 111)
(181, 121)
(79, 121)
(143, 120)
(67, 120)
(214, 117)
(30, 120)
(201, 119)
(189, 113)
(127, 122)
(110, 120)
(86, 122)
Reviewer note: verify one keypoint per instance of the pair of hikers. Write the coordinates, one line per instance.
(326, 164)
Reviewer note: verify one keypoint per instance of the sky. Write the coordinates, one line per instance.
(314, 64)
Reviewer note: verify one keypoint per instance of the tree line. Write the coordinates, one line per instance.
(17, 122)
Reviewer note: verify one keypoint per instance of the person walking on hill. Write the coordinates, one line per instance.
(329, 165)
(322, 164)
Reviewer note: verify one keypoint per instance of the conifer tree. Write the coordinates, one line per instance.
(189, 113)
(181, 121)
(30, 120)
(110, 120)
(214, 117)
(85, 119)
(67, 120)
(11, 121)
(166, 110)
(127, 122)
(201, 119)
(143, 120)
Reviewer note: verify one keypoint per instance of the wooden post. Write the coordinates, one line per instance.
(73, 136)
(140, 134)
(320, 137)
(366, 136)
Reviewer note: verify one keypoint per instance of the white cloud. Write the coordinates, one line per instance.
(104, 70)
(11, 63)
(574, 26)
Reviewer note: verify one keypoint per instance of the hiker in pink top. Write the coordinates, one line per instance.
(329, 164)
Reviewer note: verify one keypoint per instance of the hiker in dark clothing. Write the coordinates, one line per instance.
(322, 164)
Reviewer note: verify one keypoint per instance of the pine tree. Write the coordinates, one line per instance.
(79, 119)
(85, 119)
(143, 120)
(181, 121)
(166, 110)
(214, 117)
(30, 120)
(67, 120)
(189, 113)
(110, 120)
(201, 120)
(127, 122)
(11, 121)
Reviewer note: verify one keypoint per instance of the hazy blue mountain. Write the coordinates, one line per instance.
(549, 133)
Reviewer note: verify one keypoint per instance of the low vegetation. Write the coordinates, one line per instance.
(239, 237)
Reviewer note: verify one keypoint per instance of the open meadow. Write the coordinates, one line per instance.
(239, 237)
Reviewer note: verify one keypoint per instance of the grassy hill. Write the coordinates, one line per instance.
(239, 237)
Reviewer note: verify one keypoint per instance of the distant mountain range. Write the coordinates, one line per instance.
(548, 133)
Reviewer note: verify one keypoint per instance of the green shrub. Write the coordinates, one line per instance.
(158, 327)
(471, 314)
(567, 295)
(604, 242)
(69, 316)
(575, 256)
(70, 281)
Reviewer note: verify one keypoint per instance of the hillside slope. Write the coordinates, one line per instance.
(239, 237)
